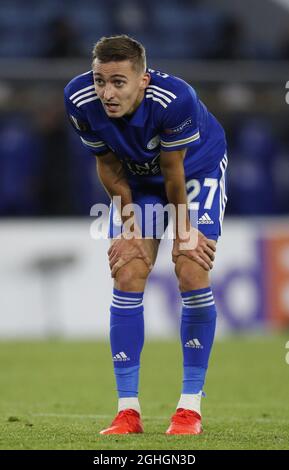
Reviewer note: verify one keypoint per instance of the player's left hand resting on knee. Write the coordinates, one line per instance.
(203, 251)
(123, 250)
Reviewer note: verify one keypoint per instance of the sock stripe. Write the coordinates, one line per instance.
(124, 302)
(120, 302)
(206, 299)
(186, 297)
(200, 305)
(126, 306)
(129, 299)
(198, 301)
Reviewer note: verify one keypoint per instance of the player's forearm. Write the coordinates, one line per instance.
(115, 184)
(112, 176)
(172, 167)
(177, 196)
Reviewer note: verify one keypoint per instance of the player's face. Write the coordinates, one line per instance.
(119, 86)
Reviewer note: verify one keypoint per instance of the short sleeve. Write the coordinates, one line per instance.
(180, 123)
(80, 124)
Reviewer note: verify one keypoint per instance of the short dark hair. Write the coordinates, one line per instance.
(119, 48)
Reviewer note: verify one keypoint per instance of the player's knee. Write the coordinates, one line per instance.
(131, 275)
(191, 275)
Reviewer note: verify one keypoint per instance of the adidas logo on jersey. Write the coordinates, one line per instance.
(205, 219)
(193, 343)
(121, 357)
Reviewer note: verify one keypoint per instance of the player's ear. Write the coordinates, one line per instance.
(146, 78)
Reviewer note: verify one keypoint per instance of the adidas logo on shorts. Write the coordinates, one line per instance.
(205, 219)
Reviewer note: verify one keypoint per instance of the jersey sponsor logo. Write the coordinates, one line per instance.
(151, 167)
(154, 142)
(176, 130)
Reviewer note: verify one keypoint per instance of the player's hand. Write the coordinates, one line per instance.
(123, 250)
(197, 247)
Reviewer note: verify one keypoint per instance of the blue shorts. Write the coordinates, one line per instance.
(207, 199)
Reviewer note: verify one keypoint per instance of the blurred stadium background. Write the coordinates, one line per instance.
(54, 278)
(237, 57)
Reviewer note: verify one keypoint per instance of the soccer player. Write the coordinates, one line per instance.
(155, 142)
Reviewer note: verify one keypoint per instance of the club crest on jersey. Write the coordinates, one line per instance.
(180, 127)
(154, 142)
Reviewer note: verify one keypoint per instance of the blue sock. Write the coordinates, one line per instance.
(198, 325)
(126, 340)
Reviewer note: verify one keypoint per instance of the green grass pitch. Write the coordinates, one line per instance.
(58, 395)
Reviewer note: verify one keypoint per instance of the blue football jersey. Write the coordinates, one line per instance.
(170, 117)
